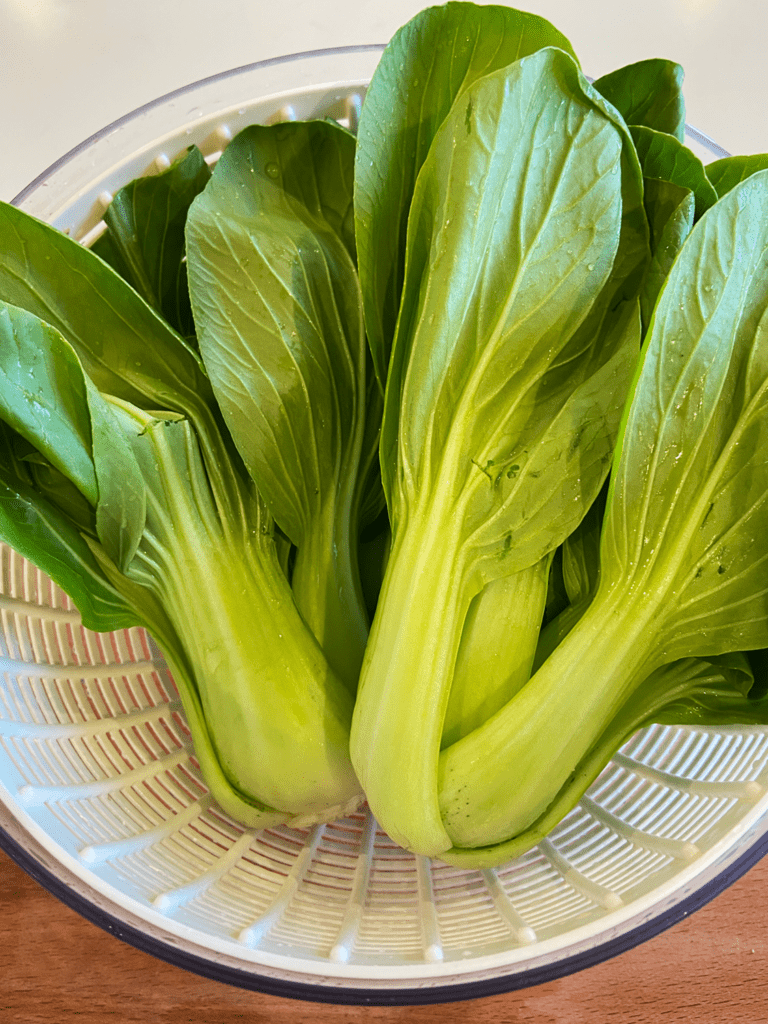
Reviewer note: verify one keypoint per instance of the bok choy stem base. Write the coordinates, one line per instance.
(263, 684)
(405, 680)
(501, 778)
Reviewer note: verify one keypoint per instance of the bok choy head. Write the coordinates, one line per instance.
(120, 481)
(516, 337)
(682, 560)
(276, 299)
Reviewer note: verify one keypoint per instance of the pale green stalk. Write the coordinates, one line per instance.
(496, 782)
(326, 583)
(406, 677)
(498, 644)
(274, 713)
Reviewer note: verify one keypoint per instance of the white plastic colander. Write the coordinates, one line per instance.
(102, 801)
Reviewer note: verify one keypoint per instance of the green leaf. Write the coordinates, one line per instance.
(46, 536)
(125, 347)
(429, 63)
(580, 578)
(374, 552)
(59, 490)
(581, 553)
(144, 240)
(648, 93)
(562, 465)
(369, 498)
(500, 411)
(274, 290)
(121, 508)
(48, 400)
(490, 354)
(693, 499)
(728, 172)
(279, 317)
(557, 598)
(315, 167)
(44, 396)
(733, 700)
(665, 158)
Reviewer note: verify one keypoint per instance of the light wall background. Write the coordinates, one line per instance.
(69, 67)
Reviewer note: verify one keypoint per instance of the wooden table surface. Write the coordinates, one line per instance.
(711, 968)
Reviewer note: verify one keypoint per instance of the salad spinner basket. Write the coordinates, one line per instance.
(102, 801)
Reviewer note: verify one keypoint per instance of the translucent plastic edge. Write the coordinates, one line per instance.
(705, 141)
(221, 76)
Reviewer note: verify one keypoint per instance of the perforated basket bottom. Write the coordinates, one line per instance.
(97, 769)
(94, 749)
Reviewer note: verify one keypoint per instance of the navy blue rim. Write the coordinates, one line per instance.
(453, 992)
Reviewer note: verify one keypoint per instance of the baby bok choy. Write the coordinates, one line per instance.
(278, 311)
(683, 556)
(120, 481)
(516, 338)
(411, 93)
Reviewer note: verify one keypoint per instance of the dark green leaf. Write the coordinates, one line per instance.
(369, 496)
(664, 158)
(648, 93)
(144, 240)
(44, 396)
(581, 553)
(125, 347)
(47, 399)
(729, 171)
(274, 290)
(315, 165)
(47, 537)
(579, 578)
(468, 360)
(374, 552)
(692, 512)
(61, 492)
(121, 508)
(557, 597)
(671, 210)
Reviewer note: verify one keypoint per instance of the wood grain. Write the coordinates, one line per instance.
(57, 967)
